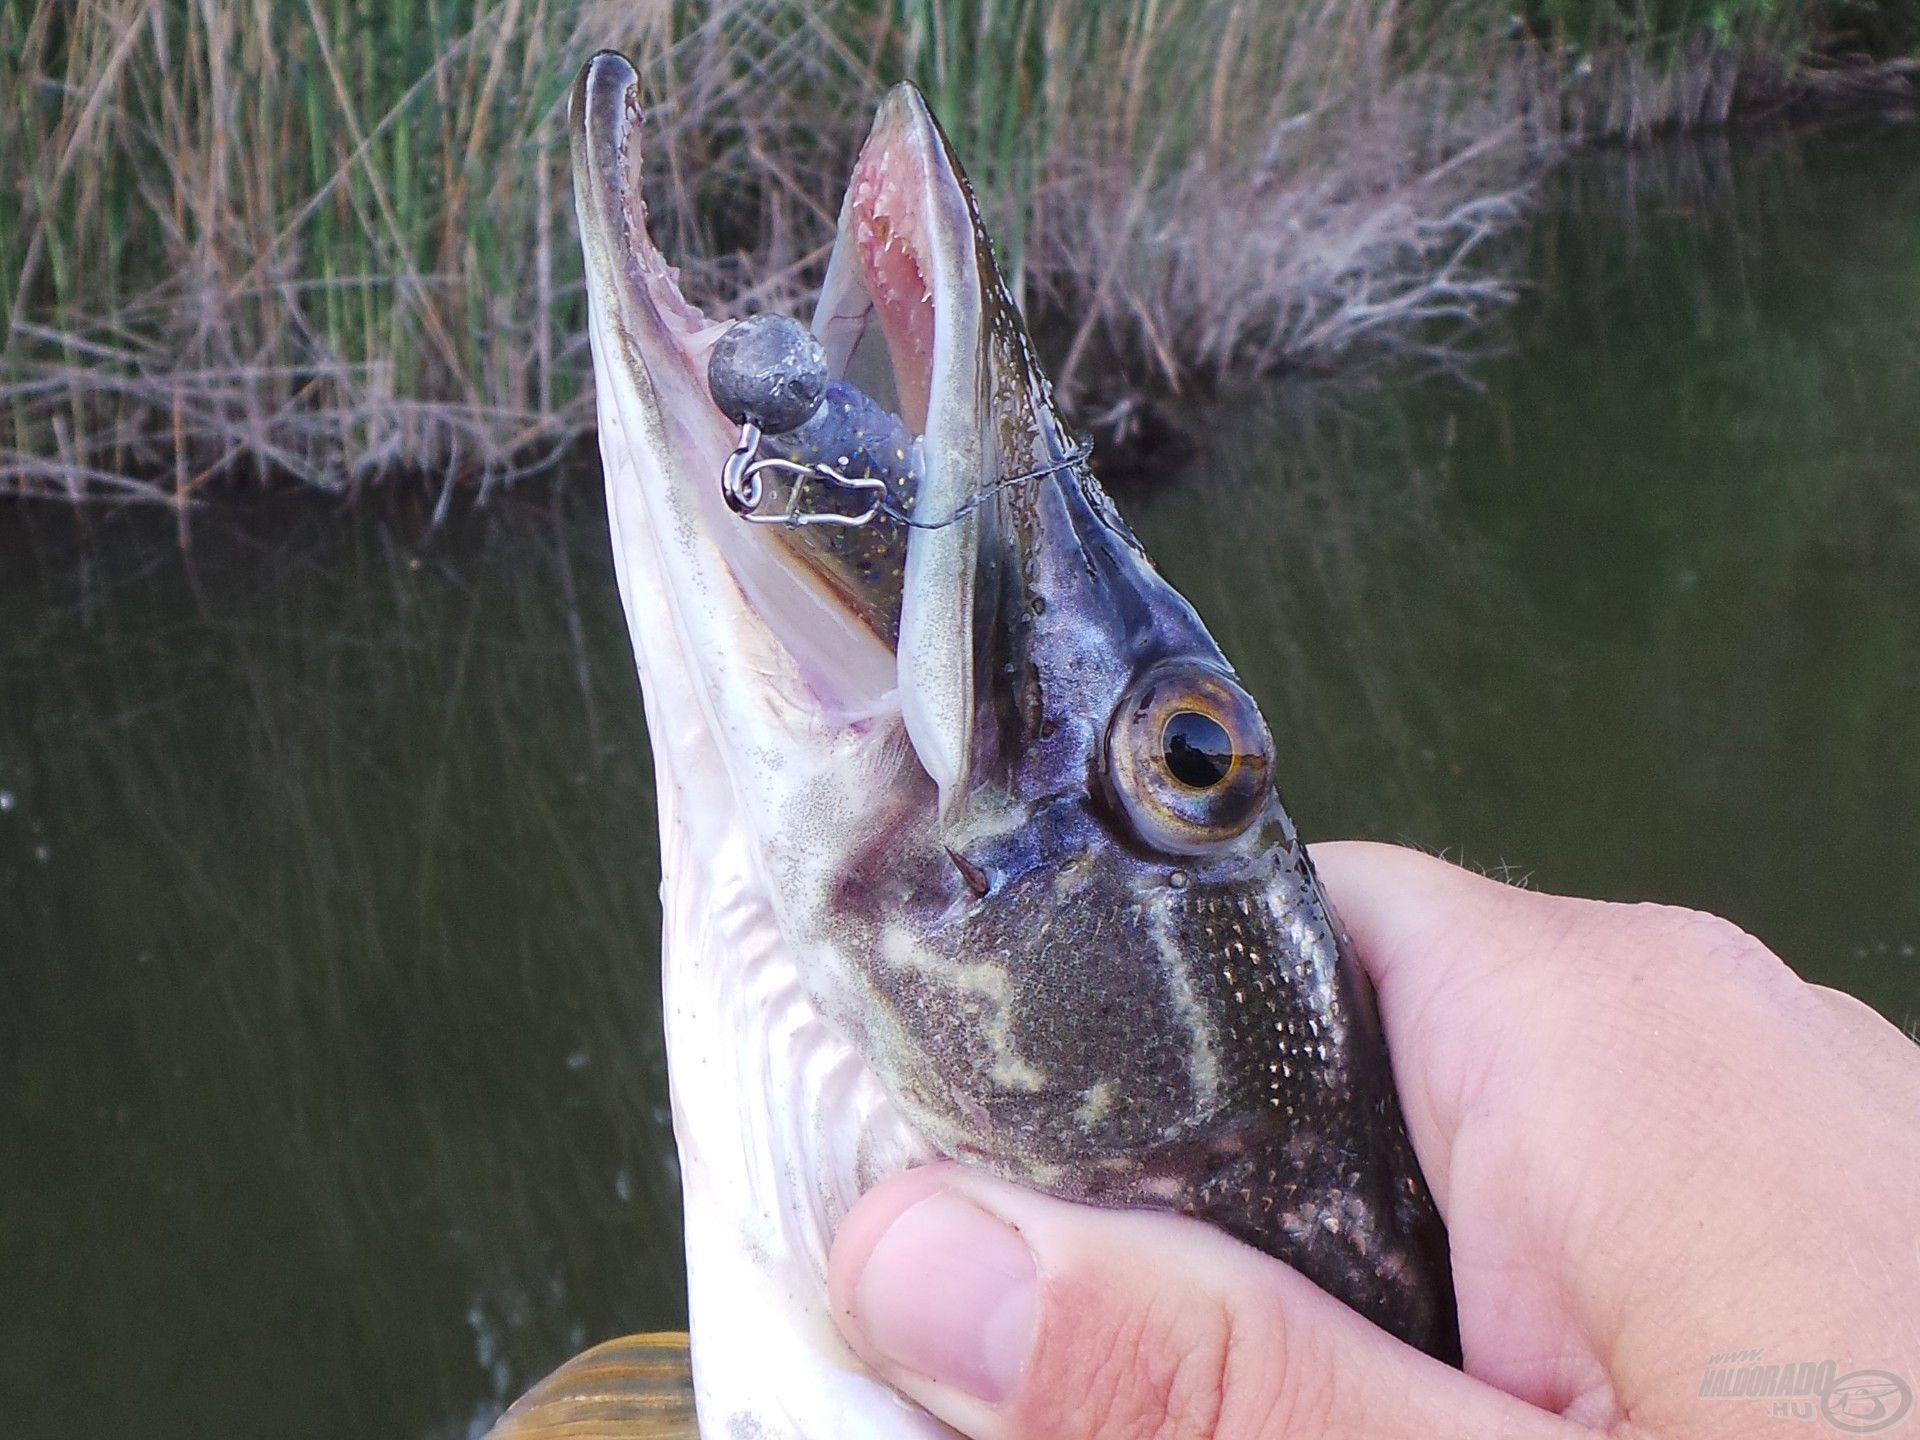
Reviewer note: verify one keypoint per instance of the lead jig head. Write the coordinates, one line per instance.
(769, 372)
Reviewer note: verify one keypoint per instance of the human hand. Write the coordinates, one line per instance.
(1652, 1144)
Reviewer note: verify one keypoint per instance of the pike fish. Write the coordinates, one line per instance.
(970, 836)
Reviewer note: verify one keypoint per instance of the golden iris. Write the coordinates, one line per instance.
(1189, 758)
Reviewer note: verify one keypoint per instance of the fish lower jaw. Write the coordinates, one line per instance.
(781, 1126)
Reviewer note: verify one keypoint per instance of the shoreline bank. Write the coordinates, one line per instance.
(407, 312)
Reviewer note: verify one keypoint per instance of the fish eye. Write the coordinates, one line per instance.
(1189, 758)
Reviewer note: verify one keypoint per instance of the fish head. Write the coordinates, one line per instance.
(1009, 814)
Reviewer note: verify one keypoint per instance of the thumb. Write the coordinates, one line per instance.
(1009, 1314)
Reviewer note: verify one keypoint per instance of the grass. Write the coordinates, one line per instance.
(332, 242)
(306, 238)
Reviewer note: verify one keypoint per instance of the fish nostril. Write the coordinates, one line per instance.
(975, 877)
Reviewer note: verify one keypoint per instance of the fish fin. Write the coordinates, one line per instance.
(639, 1387)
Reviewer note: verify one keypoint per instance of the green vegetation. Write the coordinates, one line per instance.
(295, 237)
(1878, 27)
(1665, 22)
(333, 242)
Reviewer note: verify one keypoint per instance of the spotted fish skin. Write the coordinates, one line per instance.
(1325, 1179)
(1129, 1033)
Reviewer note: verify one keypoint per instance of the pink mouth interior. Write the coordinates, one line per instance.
(890, 226)
(888, 190)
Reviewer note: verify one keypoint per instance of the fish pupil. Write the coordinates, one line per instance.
(1197, 749)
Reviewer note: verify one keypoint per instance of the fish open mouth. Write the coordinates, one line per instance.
(898, 319)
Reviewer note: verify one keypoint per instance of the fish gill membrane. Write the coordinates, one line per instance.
(969, 836)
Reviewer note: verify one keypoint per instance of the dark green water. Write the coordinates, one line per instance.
(330, 1080)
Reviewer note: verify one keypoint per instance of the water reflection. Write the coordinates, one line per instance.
(330, 1084)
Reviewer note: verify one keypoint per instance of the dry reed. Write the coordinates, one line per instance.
(268, 240)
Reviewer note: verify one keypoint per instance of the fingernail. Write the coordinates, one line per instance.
(948, 1292)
